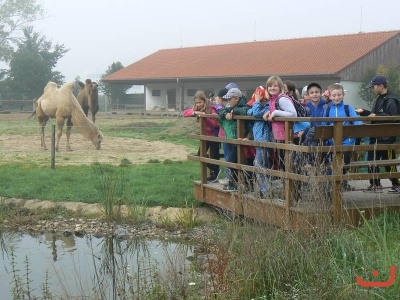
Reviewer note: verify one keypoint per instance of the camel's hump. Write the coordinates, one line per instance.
(50, 86)
(68, 86)
(81, 84)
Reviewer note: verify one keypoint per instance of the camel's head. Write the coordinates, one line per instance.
(97, 139)
(95, 86)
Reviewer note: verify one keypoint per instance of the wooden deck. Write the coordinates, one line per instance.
(302, 199)
(314, 207)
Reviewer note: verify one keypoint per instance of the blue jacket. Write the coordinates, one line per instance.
(317, 112)
(261, 128)
(337, 110)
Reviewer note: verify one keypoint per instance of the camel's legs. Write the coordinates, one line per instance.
(60, 125)
(86, 110)
(93, 116)
(42, 123)
(69, 126)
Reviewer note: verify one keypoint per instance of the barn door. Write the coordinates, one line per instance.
(171, 95)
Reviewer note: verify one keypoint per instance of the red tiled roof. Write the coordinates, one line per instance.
(312, 55)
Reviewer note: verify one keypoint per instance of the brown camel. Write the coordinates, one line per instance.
(62, 105)
(88, 97)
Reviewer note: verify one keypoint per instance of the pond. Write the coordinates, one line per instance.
(54, 266)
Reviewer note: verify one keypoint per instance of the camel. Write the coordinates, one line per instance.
(88, 97)
(62, 105)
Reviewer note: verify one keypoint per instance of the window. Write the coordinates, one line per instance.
(208, 92)
(191, 92)
(156, 93)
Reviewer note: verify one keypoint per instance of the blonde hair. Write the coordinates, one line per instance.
(278, 80)
(202, 96)
(336, 86)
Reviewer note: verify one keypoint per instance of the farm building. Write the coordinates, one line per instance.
(172, 76)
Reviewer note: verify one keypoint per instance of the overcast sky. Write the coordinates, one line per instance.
(100, 32)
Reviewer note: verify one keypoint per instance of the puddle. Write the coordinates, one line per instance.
(78, 267)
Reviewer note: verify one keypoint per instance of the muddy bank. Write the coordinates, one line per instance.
(158, 221)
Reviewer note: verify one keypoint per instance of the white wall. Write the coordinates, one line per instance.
(351, 96)
(160, 101)
(247, 87)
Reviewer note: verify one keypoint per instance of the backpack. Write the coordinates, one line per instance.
(346, 110)
(300, 109)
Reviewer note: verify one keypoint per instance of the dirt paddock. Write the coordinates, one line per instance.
(20, 145)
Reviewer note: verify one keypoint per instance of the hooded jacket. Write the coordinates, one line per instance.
(385, 105)
(317, 112)
(337, 110)
(261, 128)
(230, 126)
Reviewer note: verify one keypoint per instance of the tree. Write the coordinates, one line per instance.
(391, 73)
(113, 91)
(14, 16)
(31, 66)
(76, 89)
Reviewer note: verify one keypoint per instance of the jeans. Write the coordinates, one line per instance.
(262, 161)
(232, 158)
(225, 149)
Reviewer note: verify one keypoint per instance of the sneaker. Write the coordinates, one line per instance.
(374, 188)
(394, 190)
(347, 187)
(211, 177)
(230, 187)
(216, 176)
(224, 181)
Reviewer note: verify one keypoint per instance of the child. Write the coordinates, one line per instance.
(316, 103)
(337, 109)
(299, 127)
(276, 91)
(259, 105)
(387, 104)
(201, 106)
(220, 104)
(237, 106)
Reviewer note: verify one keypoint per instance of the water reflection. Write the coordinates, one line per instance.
(85, 266)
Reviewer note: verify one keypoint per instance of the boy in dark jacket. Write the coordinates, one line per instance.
(387, 104)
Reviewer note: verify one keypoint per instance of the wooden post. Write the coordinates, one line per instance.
(289, 186)
(53, 147)
(337, 170)
(240, 153)
(203, 151)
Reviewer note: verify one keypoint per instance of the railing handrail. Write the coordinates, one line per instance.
(337, 131)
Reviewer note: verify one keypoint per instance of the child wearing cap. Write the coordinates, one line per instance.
(387, 104)
(237, 106)
(316, 103)
(259, 105)
(220, 103)
(201, 106)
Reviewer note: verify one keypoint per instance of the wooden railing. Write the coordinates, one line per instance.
(337, 132)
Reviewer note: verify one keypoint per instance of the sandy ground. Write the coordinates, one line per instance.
(19, 146)
(113, 150)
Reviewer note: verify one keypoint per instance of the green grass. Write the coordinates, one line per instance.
(165, 184)
(260, 262)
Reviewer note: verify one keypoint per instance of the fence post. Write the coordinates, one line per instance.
(337, 170)
(53, 147)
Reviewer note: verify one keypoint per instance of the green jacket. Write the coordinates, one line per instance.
(230, 126)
